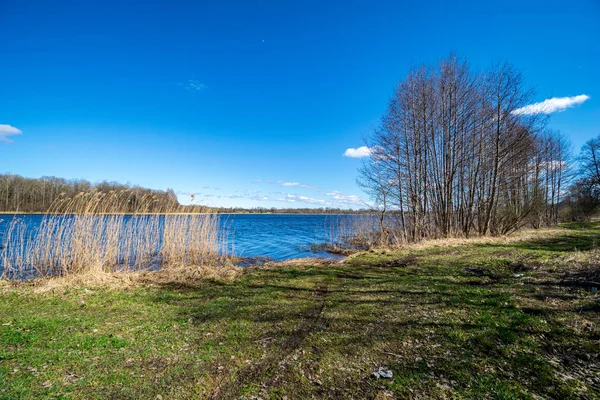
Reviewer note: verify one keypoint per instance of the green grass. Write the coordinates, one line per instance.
(449, 322)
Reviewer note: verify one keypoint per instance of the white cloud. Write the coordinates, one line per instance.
(336, 199)
(287, 200)
(288, 184)
(297, 184)
(555, 104)
(6, 131)
(362, 151)
(194, 86)
(555, 164)
(346, 200)
(310, 200)
(293, 198)
(259, 198)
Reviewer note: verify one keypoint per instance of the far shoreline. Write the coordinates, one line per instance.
(182, 213)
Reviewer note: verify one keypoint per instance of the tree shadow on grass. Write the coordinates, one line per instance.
(370, 314)
(359, 315)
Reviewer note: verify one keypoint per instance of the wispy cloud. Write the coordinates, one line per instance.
(288, 184)
(293, 198)
(330, 199)
(6, 131)
(194, 86)
(347, 200)
(549, 106)
(360, 152)
(335, 199)
(259, 198)
(297, 184)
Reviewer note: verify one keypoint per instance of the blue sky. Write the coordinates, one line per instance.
(254, 103)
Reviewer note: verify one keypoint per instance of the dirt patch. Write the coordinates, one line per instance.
(519, 266)
(300, 262)
(401, 262)
(475, 271)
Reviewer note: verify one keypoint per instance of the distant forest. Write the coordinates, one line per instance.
(28, 195)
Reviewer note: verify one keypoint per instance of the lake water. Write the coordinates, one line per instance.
(276, 236)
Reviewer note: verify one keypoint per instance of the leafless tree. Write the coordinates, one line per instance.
(451, 156)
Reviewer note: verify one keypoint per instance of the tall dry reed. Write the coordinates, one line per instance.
(351, 232)
(84, 234)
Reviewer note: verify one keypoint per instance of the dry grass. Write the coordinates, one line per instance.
(352, 234)
(520, 236)
(82, 236)
(189, 276)
(185, 276)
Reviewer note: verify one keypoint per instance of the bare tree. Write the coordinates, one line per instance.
(452, 157)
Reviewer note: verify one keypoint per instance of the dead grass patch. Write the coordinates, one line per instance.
(521, 236)
(182, 276)
(189, 276)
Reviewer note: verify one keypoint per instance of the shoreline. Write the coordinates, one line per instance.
(182, 213)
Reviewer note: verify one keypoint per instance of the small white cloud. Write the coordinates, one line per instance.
(293, 198)
(286, 200)
(549, 106)
(311, 200)
(345, 200)
(555, 164)
(6, 131)
(362, 151)
(297, 184)
(194, 86)
(288, 184)
(552, 165)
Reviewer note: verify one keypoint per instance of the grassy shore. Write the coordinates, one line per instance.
(450, 319)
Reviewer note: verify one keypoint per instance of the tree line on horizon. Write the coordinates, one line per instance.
(459, 154)
(40, 195)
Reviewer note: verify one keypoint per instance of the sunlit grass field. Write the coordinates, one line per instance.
(472, 319)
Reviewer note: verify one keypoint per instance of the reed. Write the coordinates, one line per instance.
(86, 234)
(350, 233)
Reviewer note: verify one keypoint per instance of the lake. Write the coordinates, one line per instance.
(277, 236)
